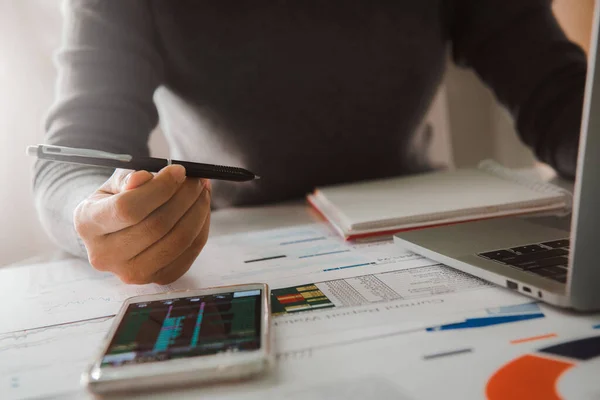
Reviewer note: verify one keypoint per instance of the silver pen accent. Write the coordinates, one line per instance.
(71, 152)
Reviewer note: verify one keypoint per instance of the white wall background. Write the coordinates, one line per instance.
(27, 37)
(29, 33)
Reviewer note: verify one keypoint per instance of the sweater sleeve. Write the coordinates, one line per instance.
(519, 50)
(108, 70)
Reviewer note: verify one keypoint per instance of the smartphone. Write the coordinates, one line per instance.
(185, 338)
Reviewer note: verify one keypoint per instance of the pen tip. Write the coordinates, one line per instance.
(256, 176)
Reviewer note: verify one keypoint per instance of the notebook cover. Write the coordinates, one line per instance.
(496, 197)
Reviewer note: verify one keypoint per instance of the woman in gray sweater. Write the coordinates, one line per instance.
(305, 93)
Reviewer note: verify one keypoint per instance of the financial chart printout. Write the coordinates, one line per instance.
(187, 327)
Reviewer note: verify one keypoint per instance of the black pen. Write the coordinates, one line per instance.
(126, 161)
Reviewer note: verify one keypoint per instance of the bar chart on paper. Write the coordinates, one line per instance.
(294, 256)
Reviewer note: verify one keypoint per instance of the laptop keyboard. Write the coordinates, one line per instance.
(548, 259)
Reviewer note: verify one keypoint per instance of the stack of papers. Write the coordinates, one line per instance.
(361, 294)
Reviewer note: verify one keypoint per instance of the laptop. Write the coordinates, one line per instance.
(551, 264)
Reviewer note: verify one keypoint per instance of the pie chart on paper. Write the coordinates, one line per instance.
(566, 370)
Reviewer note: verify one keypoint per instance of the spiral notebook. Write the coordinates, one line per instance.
(391, 205)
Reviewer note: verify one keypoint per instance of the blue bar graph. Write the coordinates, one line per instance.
(348, 266)
(169, 331)
(485, 321)
(196, 334)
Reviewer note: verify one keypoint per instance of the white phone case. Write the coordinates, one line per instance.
(184, 371)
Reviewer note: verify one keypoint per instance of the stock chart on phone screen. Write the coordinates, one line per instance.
(187, 327)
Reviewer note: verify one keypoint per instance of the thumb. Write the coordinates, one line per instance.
(136, 179)
(124, 179)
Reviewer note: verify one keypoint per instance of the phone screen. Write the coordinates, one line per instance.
(186, 327)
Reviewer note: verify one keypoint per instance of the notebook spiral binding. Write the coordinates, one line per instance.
(500, 171)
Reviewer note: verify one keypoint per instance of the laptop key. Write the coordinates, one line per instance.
(532, 248)
(525, 260)
(545, 262)
(559, 278)
(556, 270)
(547, 272)
(498, 255)
(556, 244)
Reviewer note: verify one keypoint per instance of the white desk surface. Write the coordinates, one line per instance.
(396, 367)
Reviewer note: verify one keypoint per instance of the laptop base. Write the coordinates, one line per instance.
(510, 252)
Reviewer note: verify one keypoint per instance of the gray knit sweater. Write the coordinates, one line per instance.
(304, 93)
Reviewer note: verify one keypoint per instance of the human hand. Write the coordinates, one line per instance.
(145, 228)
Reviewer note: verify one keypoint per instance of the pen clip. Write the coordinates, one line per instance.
(73, 152)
